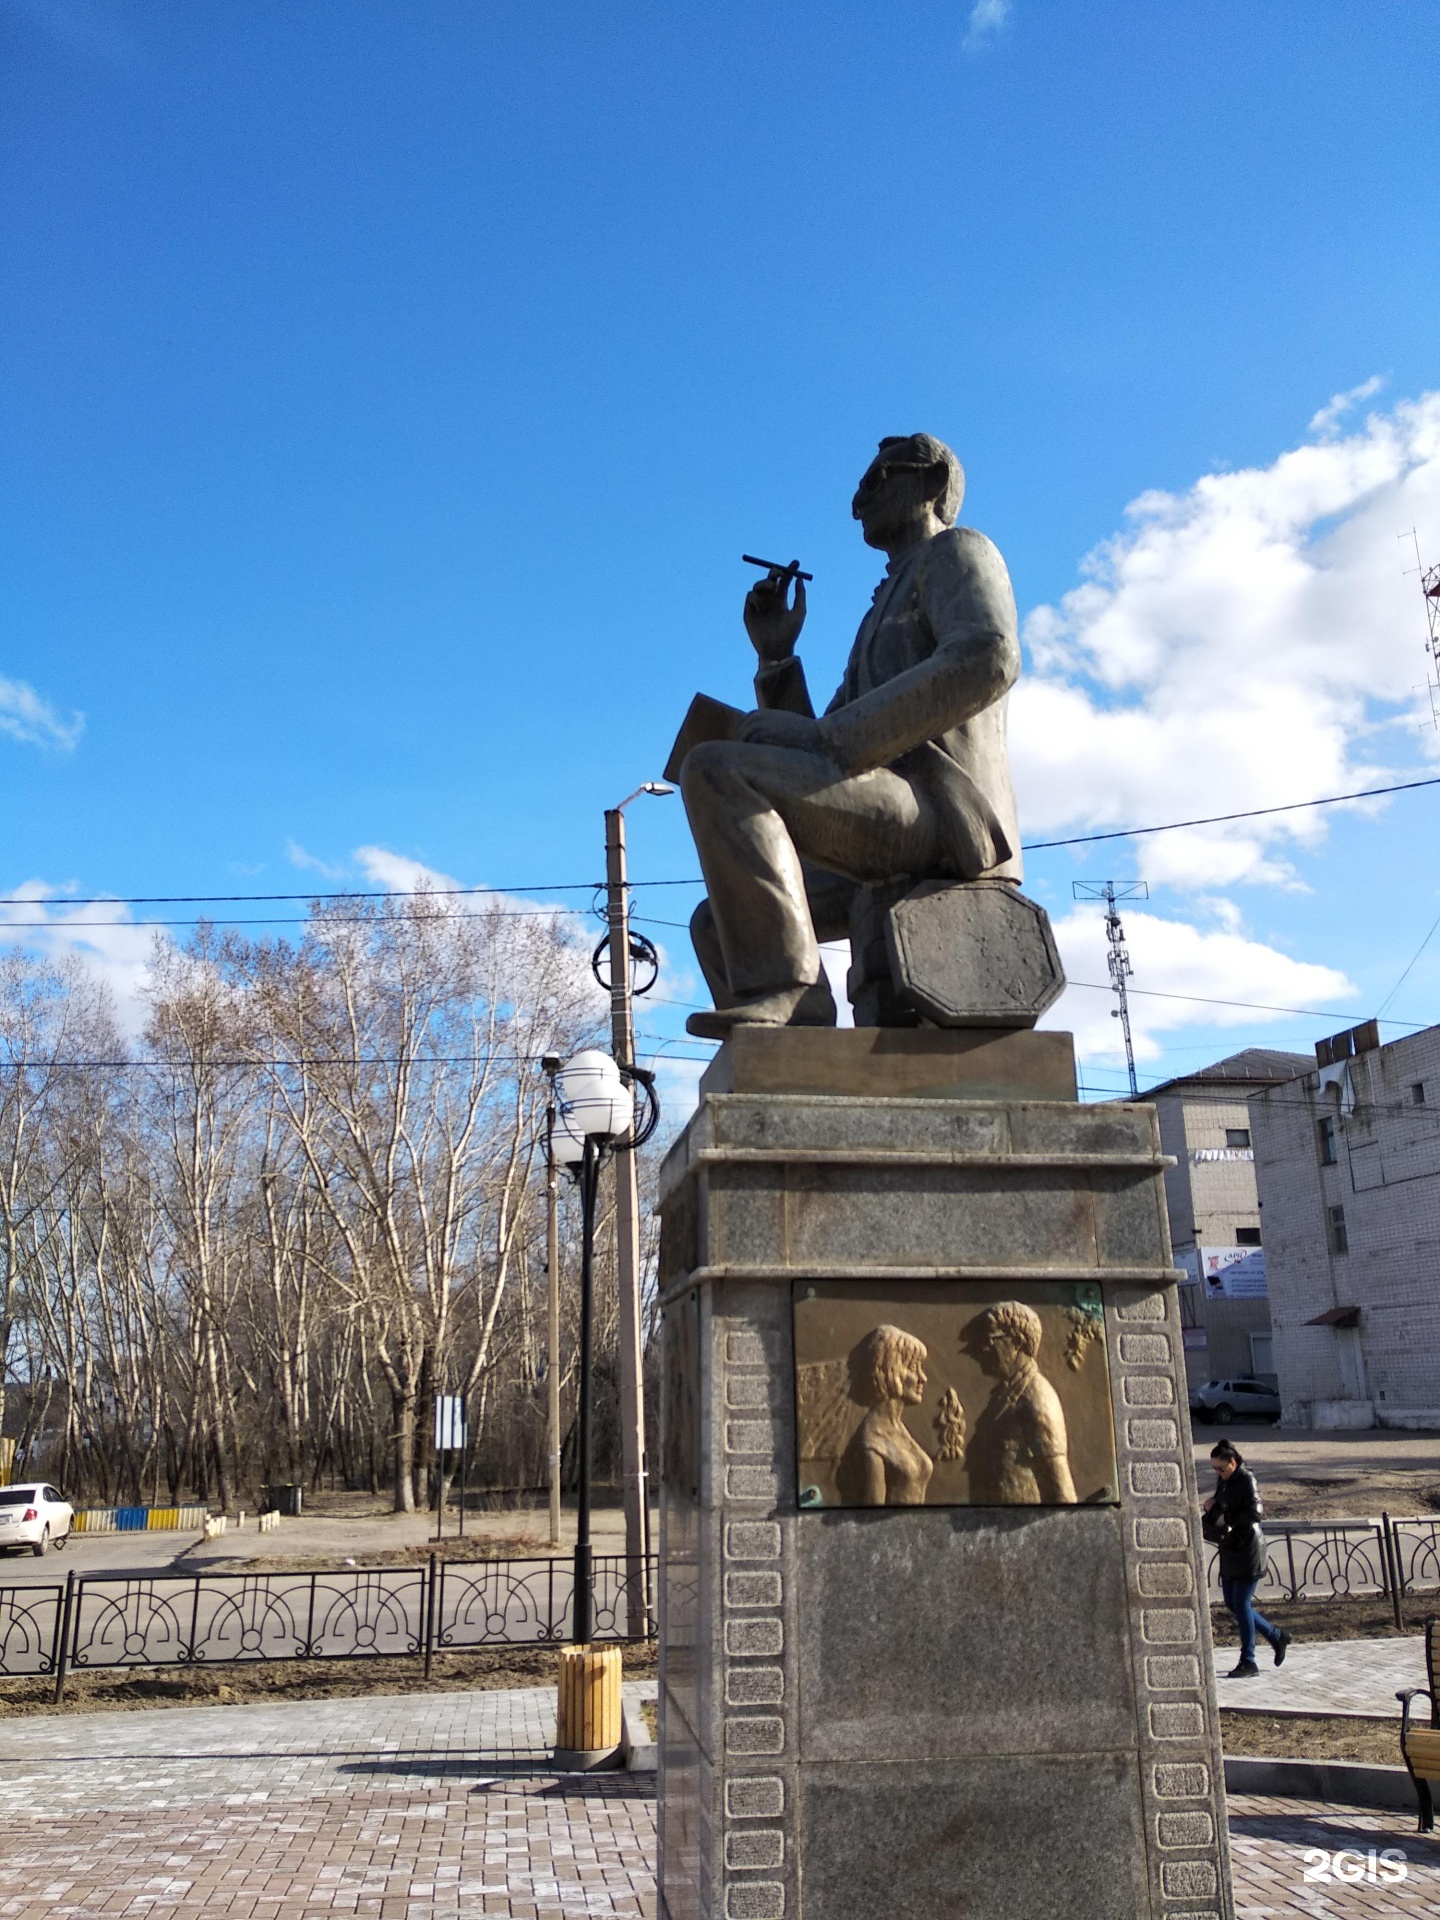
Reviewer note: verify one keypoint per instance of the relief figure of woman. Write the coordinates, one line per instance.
(884, 1465)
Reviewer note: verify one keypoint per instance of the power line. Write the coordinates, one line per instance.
(274, 920)
(1255, 1006)
(1219, 819)
(589, 886)
(188, 1064)
(1413, 958)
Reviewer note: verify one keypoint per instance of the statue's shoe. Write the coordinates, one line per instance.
(791, 1007)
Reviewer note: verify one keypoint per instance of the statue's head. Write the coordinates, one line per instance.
(888, 1364)
(1002, 1338)
(912, 475)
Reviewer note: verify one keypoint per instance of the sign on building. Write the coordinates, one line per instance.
(1227, 1273)
(449, 1423)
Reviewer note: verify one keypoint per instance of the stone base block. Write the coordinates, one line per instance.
(934, 1636)
(587, 1759)
(975, 1063)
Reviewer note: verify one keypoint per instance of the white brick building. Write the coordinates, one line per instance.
(1348, 1164)
(1214, 1210)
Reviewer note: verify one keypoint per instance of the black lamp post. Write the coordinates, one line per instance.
(594, 1112)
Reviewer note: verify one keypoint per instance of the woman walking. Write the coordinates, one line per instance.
(1232, 1522)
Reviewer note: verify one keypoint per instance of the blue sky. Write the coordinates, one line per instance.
(390, 389)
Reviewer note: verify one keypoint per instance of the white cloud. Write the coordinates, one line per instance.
(1169, 956)
(1333, 412)
(102, 935)
(399, 874)
(1243, 644)
(987, 17)
(309, 862)
(26, 717)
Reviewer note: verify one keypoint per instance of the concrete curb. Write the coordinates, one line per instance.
(1344, 1782)
(639, 1753)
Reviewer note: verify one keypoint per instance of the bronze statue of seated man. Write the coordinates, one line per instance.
(904, 776)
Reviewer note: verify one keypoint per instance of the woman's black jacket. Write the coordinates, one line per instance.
(1238, 1512)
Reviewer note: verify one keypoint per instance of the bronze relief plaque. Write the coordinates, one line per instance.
(952, 1393)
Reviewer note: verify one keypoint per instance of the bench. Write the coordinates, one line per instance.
(1420, 1744)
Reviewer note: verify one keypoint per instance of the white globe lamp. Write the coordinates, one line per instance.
(593, 1101)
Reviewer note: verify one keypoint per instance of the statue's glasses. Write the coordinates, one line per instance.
(876, 476)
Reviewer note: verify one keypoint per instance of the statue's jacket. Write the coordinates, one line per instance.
(925, 692)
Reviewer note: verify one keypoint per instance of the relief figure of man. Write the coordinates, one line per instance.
(905, 775)
(1018, 1454)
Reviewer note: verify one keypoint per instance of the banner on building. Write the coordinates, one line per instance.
(1227, 1273)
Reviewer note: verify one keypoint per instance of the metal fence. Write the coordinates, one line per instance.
(100, 1621)
(1347, 1559)
(94, 1621)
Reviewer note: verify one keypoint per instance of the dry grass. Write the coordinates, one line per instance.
(282, 1680)
(1268, 1736)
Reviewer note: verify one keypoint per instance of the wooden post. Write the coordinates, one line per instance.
(587, 1720)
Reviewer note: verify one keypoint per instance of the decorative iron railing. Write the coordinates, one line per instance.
(30, 1627)
(102, 1620)
(105, 1621)
(1346, 1559)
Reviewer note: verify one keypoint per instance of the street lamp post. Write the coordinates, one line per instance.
(594, 1112)
(552, 1063)
(634, 1492)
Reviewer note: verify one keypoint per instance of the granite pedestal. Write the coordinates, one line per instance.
(944, 1707)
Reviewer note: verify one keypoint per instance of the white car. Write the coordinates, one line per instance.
(35, 1516)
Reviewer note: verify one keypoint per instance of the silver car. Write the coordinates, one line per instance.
(1222, 1401)
(34, 1515)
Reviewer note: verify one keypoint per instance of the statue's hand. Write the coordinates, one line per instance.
(776, 727)
(771, 621)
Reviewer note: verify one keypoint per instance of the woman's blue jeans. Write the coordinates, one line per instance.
(1240, 1599)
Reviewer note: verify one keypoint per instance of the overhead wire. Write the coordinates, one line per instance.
(587, 886)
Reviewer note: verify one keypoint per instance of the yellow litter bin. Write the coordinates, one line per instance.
(587, 1719)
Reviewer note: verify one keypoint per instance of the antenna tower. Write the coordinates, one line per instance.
(1430, 587)
(1430, 591)
(1119, 960)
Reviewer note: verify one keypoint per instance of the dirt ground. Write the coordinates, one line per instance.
(282, 1680)
(1374, 1743)
(490, 1546)
(1331, 1476)
(1331, 1619)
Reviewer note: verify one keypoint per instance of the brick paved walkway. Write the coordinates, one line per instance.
(395, 1806)
(1273, 1843)
(1326, 1676)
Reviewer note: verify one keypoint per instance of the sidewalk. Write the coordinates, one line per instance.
(1326, 1676)
(406, 1807)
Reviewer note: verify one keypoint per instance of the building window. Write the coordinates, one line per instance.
(1328, 1155)
(1237, 1136)
(1247, 1236)
(1417, 1093)
(1339, 1239)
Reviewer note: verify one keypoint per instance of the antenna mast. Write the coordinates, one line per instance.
(1119, 959)
(1430, 591)
(1430, 587)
